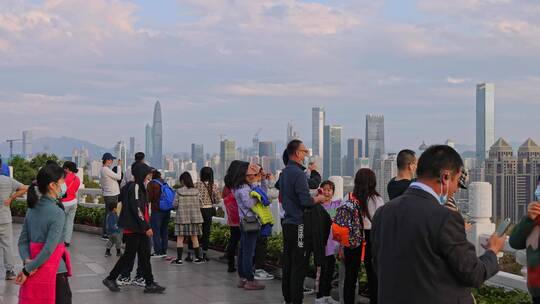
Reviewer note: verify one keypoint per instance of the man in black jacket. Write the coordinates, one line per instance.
(297, 243)
(421, 253)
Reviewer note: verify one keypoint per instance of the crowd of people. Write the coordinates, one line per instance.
(413, 248)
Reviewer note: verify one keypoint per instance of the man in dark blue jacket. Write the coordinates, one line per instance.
(295, 197)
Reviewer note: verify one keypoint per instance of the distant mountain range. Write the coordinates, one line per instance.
(60, 146)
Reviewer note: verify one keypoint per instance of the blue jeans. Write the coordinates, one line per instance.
(248, 240)
(159, 222)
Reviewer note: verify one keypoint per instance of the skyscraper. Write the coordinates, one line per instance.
(27, 144)
(149, 146)
(267, 148)
(528, 170)
(332, 151)
(197, 155)
(121, 153)
(386, 169)
(374, 137)
(354, 152)
(291, 133)
(227, 155)
(131, 157)
(501, 173)
(485, 120)
(157, 138)
(317, 131)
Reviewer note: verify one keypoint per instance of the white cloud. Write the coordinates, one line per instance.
(455, 80)
(280, 90)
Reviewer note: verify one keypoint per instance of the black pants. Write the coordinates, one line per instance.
(371, 276)
(352, 266)
(63, 292)
(296, 246)
(536, 300)
(233, 245)
(327, 274)
(261, 249)
(207, 214)
(136, 244)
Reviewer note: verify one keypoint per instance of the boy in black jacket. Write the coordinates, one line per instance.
(134, 219)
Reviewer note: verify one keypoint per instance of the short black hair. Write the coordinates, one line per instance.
(328, 183)
(156, 174)
(404, 158)
(139, 156)
(437, 158)
(293, 146)
(207, 175)
(285, 157)
(71, 166)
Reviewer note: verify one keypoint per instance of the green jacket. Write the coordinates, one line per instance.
(526, 236)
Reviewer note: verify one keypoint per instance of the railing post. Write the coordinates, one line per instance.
(480, 211)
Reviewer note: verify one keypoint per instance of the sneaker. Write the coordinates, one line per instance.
(254, 285)
(262, 275)
(105, 237)
(139, 282)
(118, 252)
(111, 284)
(154, 288)
(308, 291)
(123, 281)
(330, 300)
(241, 283)
(10, 275)
(198, 261)
(177, 262)
(157, 255)
(107, 253)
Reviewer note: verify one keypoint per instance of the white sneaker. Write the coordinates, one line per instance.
(330, 300)
(262, 275)
(123, 281)
(308, 291)
(139, 281)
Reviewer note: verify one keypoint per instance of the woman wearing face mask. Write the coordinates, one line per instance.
(44, 277)
(134, 218)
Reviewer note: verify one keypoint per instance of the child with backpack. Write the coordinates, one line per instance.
(115, 236)
(161, 198)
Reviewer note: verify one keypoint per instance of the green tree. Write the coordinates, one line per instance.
(22, 170)
(90, 183)
(41, 159)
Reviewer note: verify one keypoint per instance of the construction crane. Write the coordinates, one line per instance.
(11, 141)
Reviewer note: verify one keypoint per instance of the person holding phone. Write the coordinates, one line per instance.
(420, 248)
(526, 235)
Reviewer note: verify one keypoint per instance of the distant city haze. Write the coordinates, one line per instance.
(93, 70)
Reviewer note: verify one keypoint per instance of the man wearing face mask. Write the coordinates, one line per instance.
(420, 249)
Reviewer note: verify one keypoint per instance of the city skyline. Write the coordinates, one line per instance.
(416, 62)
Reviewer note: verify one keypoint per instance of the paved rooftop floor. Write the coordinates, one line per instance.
(190, 283)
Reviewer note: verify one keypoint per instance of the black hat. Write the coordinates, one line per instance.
(108, 156)
(71, 166)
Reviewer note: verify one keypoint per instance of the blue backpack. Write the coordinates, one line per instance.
(167, 196)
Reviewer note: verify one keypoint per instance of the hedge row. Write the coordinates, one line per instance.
(220, 236)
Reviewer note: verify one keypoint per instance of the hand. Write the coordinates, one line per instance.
(496, 243)
(21, 278)
(8, 202)
(149, 233)
(468, 227)
(319, 198)
(27, 261)
(533, 210)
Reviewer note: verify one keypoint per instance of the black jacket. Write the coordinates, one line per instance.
(317, 224)
(421, 253)
(314, 180)
(294, 191)
(133, 209)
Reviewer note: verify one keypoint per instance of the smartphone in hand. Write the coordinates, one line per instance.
(503, 227)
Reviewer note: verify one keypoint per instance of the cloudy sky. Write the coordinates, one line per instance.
(93, 69)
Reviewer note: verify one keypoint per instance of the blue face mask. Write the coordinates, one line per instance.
(443, 199)
(63, 189)
(537, 193)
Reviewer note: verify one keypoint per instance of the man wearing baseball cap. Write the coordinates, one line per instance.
(109, 183)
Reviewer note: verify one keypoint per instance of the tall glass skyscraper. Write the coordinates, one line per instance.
(149, 146)
(354, 152)
(332, 151)
(197, 155)
(267, 148)
(227, 155)
(317, 131)
(485, 120)
(157, 138)
(374, 137)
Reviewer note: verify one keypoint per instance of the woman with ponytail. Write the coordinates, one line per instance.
(44, 277)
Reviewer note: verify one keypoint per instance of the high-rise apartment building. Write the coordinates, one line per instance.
(374, 137)
(317, 131)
